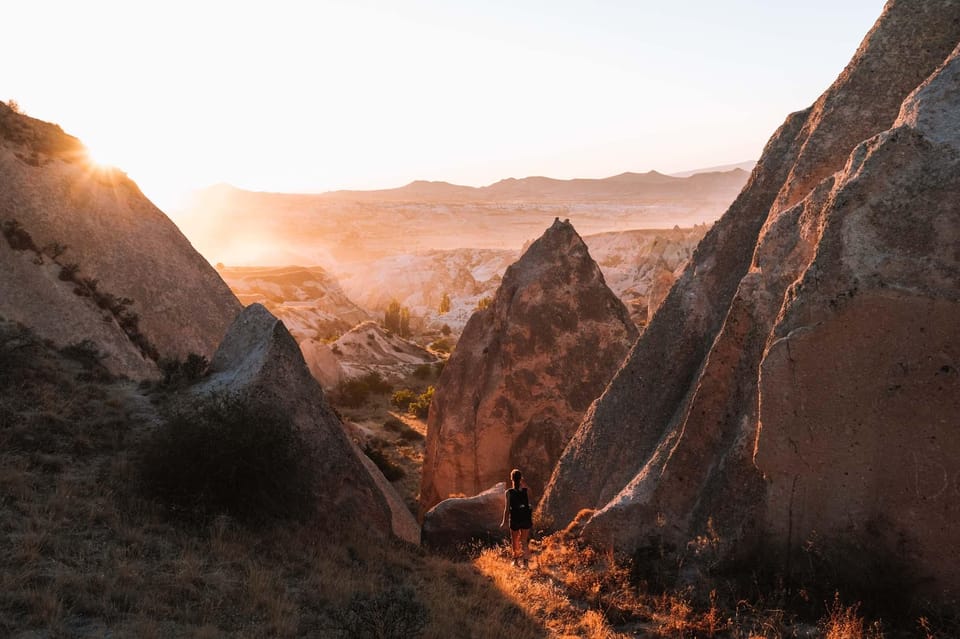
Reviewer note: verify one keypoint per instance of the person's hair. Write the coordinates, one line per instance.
(515, 477)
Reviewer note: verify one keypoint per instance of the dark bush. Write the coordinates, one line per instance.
(394, 425)
(406, 433)
(376, 383)
(17, 236)
(89, 356)
(423, 371)
(394, 613)
(68, 272)
(232, 457)
(390, 470)
(351, 393)
(177, 373)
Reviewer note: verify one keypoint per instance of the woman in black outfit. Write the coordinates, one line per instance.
(516, 506)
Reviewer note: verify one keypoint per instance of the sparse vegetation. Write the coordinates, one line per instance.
(397, 319)
(444, 305)
(483, 302)
(421, 405)
(403, 398)
(390, 470)
(445, 330)
(353, 393)
(442, 345)
(178, 373)
(233, 457)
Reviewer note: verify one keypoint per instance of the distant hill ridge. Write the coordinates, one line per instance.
(624, 186)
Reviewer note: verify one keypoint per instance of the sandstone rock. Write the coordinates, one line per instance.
(458, 521)
(259, 361)
(810, 320)
(123, 246)
(524, 371)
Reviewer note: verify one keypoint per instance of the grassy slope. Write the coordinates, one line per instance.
(85, 555)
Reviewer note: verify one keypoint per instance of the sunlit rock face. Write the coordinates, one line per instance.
(524, 371)
(260, 362)
(105, 265)
(800, 380)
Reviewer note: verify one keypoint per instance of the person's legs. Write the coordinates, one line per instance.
(515, 541)
(525, 540)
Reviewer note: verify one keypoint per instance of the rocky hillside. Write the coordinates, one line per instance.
(366, 348)
(797, 390)
(525, 370)
(309, 300)
(85, 256)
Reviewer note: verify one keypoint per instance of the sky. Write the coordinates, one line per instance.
(307, 96)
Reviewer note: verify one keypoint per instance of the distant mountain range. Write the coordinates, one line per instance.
(623, 187)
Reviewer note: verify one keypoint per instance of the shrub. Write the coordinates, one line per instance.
(89, 356)
(390, 470)
(177, 373)
(352, 393)
(376, 383)
(406, 433)
(403, 398)
(421, 406)
(422, 371)
(442, 345)
(446, 330)
(394, 613)
(230, 456)
(483, 303)
(17, 236)
(68, 272)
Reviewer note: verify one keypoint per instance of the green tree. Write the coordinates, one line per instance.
(404, 322)
(444, 304)
(391, 316)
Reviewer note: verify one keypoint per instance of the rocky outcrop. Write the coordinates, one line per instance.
(366, 348)
(95, 260)
(524, 371)
(812, 340)
(259, 361)
(460, 521)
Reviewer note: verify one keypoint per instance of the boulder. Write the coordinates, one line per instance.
(524, 371)
(811, 384)
(88, 257)
(460, 521)
(260, 362)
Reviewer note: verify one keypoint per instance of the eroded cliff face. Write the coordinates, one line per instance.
(524, 371)
(105, 264)
(260, 362)
(816, 327)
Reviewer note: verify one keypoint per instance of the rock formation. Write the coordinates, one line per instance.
(801, 379)
(259, 361)
(366, 348)
(88, 257)
(459, 521)
(524, 371)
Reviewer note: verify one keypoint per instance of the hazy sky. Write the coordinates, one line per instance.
(314, 95)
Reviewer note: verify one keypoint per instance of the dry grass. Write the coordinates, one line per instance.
(86, 555)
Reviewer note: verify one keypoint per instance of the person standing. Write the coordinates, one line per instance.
(516, 508)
